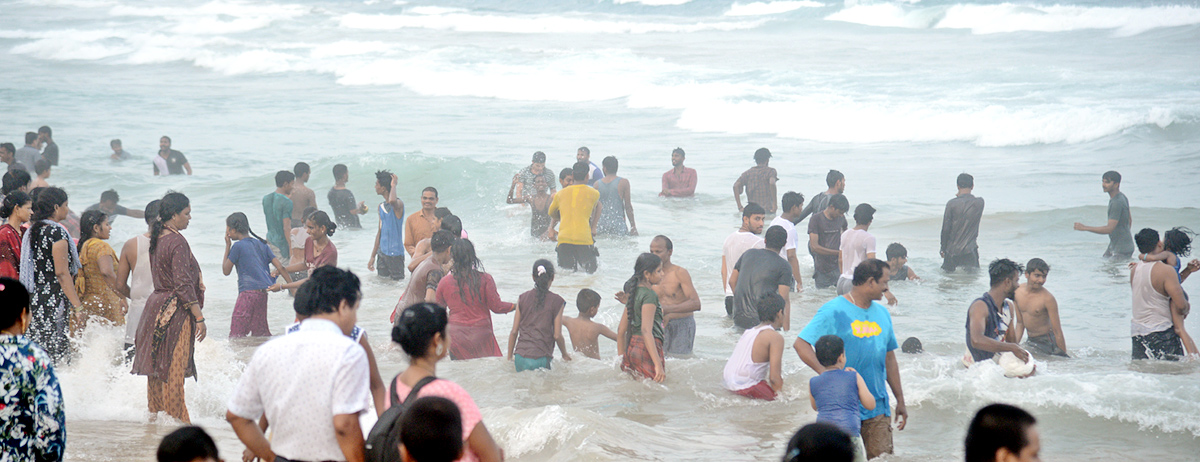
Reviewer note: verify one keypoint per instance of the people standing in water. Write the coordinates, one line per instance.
(172, 322)
(522, 184)
(615, 203)
(537, 323)
(837, 185)
(1039, 311)
(422, 286)
(49, 147)
(16, 209)
(679, 181)
(758, 182)
(585, 333)
(469, 294)
(169, 161)
(857, 245)
(49, 264)
(422, 223)
(388, 253)
(41, 168)
(993, 326)
(678, 298)
(29, 153)
(278, 210)
(423, 332)
(960, 227)
(755, 369)
(97, 284)
(341, 200)
(583, 154)
(34, 427)
(640, 335)
(897, 258)
(252, 257)
(119, 153)
(133, 275)
(825, 241)
(577, 210)
(318, 249)
(108, 205)
(440, 219)
(745, 238)
(1159, 306)
(792, 204)
(759, 272)
(539, 207)
(1120, 221)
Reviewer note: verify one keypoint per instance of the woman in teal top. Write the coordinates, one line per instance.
(641, 357)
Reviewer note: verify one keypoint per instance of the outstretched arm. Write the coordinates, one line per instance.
(1106, 229)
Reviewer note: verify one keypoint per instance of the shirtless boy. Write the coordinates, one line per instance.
(678, 298)
(585, 333)
(1039, 312)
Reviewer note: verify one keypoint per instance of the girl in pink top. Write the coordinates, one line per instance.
(318, 249)
(469, 293)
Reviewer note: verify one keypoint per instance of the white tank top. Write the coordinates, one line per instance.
(741, 372)
(1151, 310)
(142, 284)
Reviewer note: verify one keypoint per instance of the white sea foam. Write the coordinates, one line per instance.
(529, 24)
(765, 8)
(70, 45)
(1008, 17)
(653, 2)
(217, 17)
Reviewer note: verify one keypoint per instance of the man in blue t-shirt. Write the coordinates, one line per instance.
(389, 239)
(865, 328)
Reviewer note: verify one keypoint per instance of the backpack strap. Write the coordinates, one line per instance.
(392, 391)
(416, 388)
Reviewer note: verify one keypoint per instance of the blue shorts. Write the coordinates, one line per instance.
(528, 364)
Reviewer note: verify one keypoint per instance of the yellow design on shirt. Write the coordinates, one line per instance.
(864, 329)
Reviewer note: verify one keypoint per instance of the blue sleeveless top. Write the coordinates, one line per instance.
(391, 230)
(612, 208)
(994, 327)
(836, 394)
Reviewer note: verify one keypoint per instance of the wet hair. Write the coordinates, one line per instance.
(994, 427)
(429, 189)
(864, 214)
(441, 240)
(1037, 264)
(165, 137)
(14, 301)
(8, 147)
(912, 345)
(585, 150)
(40, 166)
(539, 157)
(384, 179)
(579, 171)
(11, 202)
(1112, 176)
(308, 211)
(453, 224)
(30, 137)
(819, 441)
(301, 169)
(871, 268)
(44, 203)
(666, 242)
(339, 171)
(150, 213)
(467, 269)
(14, 180)
(775, 238)
(762, 155)
(965, 180)
(237, 221)
(431, 430)
(543, 275)
(566, 173)
(283, 177)
(415, 326)
(1146, 240)
(610, 164)
(321, 219)
(46, 130)
(1178, 241)
(679, 151)
(1001, 269)
(186, 445)
(791, 199)
(833, 177)
(586, 300)
(752, 209)
(839, 203)
(171, 205)
(829, 348)
(110, 196)
(896, 250)
(441, 212)
(114, 142)
(325, 290)
(87, 225)
(769, 305)
(646, 262)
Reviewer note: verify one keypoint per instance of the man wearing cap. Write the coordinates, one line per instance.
(759, 183)
(522, 183)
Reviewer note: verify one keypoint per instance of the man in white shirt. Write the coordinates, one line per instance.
(311, 385)
(791, 204)
(858, 245)
(745, 238)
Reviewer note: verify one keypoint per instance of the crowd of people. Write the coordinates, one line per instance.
(55, 280)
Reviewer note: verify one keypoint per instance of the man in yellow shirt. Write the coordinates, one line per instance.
(574, 207)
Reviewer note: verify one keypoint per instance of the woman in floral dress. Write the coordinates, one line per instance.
(49, 264)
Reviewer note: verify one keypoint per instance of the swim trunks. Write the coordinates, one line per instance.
(1164, 344)
(1044, 344)
(679, 336)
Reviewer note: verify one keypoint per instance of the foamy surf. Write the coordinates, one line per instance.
(1008, 17)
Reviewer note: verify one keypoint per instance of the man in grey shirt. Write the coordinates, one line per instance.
(837, 185)
(960, 227)
(28, 154)
(1120, 239)
(758, 272)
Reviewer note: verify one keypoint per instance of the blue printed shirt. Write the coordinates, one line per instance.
(32, 421)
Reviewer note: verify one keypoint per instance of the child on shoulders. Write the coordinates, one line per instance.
(838, 392)
(585, 333)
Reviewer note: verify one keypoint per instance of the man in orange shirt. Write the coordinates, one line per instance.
(420, 225)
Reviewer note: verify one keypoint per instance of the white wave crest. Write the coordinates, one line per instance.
(653, 2)
(528, 24)
(1008, 17)
(217, 17)
(765, 8)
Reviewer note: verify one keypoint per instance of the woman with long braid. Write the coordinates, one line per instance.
(640, 337)
(469, 293)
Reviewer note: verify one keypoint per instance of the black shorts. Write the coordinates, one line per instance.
(389, 266)
(966, 260)
(1164, 344)
(729, 305)
(575, 257)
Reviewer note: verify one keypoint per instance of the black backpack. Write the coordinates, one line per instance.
(383, 443)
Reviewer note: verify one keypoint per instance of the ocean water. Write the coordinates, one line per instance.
(1035, 99)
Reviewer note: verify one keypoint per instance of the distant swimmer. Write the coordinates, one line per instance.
(825, 241)
(897, 258)
(522, 184)
(758, 182)
(119, 153)
(960, 227)
(341, 200)
(424, 222)
(1039, 311)
(389, 237)
(169, 161)
(585, 333)
(837, 185)
(615, 204)
(792, 203)
(302, 196)
(108, 205)
(993, 326)
(745, 238)
(679, 181)
(583, 154)
(678, 298)
(1120, 221)
(1159, 307)
(576, 208)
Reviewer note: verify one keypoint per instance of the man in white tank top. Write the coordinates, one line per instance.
(135, 261)
(754, 370)
(1159, 306)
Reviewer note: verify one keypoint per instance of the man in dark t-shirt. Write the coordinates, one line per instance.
(169, 161)
(825, 239)
(108, 205)
(341, 200)
(757, 272)
(50, 151)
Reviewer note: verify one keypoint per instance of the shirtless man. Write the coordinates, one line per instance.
(678, 298)
(1039, 312)
(302, 196)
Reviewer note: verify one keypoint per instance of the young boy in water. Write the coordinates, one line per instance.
(897, 257)
(838, 392)
(585, 333)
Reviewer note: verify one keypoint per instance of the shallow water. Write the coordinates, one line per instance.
(1035, 100)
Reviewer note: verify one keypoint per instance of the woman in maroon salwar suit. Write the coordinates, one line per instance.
(469, 294)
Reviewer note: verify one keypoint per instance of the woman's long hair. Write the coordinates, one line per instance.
(13, 201)
(646, 263)
(543, 274)
(171, 205)
(44, 204)
(237, 221)
(467, 269)
(87, 225)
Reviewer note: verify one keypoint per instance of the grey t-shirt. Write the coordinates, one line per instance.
(829, 236)
(960, 225)
(27, 155)
(1120, 240)
(817, 204)
(760, 271)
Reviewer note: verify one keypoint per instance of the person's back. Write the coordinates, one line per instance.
(535, 329)
(1151, 311)
(760, 271)
(612, 211)
(960, 226)
(584, 332)
(575, 204)
(341, 201)
(835, 393)
(855, 246)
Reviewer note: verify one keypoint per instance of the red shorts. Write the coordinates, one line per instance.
(760, 390)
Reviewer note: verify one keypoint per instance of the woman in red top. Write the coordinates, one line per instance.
(16, 209)
(469, 293)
